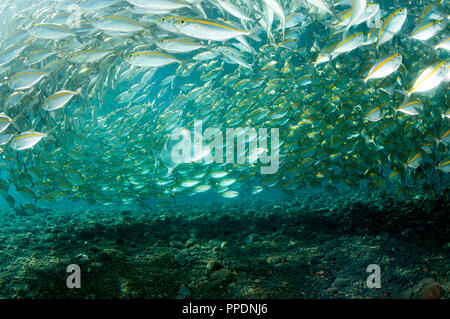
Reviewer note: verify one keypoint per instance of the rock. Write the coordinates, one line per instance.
(180, 258)
(94, 249)
(191, 242)
(222, 275)
(332, 290)
(211, 286)
(428, 288)
(274, 259)
(82, 257)
(214, 265)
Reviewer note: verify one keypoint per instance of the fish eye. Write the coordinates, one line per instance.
(182, 22)
(163, 19)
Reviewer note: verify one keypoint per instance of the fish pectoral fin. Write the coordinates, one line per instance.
(155, 168)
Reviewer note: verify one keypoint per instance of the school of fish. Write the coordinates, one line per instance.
(91, 89)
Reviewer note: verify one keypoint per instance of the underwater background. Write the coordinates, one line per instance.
(91, 91)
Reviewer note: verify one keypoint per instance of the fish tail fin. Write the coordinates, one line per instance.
(78, 91)
(437, 141)
(333, 13)
(14, 120)
(396, 110)
(315, 46)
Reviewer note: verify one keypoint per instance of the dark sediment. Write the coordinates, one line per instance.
(302, 248)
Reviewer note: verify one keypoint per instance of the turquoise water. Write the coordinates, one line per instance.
(98, 99)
